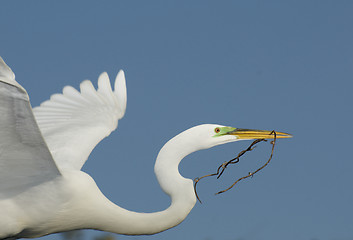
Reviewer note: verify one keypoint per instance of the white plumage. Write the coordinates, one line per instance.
(74, 122)
(43, 190)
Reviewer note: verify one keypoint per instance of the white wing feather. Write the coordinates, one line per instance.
(74, 122)
(25, 160)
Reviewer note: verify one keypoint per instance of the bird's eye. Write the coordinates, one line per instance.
(217, 130)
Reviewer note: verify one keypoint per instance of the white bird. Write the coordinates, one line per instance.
(43, 190)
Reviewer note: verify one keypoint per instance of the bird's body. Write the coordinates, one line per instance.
(37, 211)
(42, 187)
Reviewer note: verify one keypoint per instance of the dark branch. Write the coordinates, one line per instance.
(235, 160)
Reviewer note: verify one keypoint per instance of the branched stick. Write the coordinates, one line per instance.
(235, 160)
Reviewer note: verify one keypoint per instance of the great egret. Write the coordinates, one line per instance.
(43, 190)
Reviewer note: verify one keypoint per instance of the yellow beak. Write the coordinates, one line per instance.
(242, 133)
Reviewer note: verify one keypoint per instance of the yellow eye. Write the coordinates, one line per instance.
(217, 130)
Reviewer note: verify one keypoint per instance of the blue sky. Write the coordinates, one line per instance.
(283, 65)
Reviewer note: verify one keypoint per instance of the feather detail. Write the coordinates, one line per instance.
(81, 120)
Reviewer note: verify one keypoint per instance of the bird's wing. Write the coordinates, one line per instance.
(74, 122)
(25, 160)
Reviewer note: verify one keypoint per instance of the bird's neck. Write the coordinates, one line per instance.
(180, 190)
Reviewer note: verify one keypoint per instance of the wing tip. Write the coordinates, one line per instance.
(8, 76)
(120, 91)
(5, 70)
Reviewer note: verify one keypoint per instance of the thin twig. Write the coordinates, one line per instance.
(251, 174)
(222, 167)
(235, 160)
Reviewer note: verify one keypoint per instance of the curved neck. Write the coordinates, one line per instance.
(180, 189)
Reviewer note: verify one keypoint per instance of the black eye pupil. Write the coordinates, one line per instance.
(217, 130)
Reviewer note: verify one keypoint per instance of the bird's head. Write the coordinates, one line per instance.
(210, 135)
